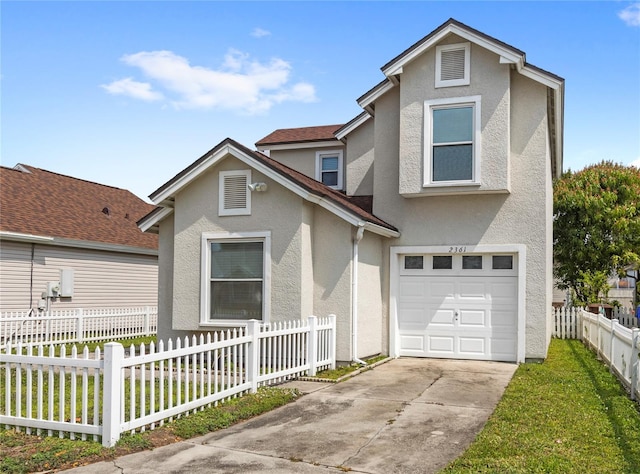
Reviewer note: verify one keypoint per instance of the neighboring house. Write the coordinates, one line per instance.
(73, 241)
(431, 235)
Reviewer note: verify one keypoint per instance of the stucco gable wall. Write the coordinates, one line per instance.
(521, 217)
(359, 162)
(490, 80)
(277, 210)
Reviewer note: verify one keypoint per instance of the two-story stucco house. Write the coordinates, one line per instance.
(424, 224)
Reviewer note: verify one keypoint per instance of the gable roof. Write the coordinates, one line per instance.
(299, 135)
(508, 55)
(41, 205)
(305, 187)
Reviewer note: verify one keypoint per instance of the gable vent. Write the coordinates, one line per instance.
(452, 65)
(235, 192)
(235, 198)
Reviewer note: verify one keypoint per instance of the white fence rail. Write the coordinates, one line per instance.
(566, 325)
(115, 392)
(616, 345)
(77, 326)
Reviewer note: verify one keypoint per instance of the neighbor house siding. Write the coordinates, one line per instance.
(101, 279)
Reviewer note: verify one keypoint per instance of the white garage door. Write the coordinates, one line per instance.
(466, 310)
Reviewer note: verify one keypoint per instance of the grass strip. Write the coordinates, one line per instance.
(566, 415)
(21, 453)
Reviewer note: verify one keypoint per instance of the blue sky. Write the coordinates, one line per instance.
(130, 93)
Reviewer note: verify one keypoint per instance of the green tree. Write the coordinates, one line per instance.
(596, 225)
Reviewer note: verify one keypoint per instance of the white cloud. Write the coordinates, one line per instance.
(260, 33)
(131, 88)
(631, 15)
(239, 84)
(635, 163)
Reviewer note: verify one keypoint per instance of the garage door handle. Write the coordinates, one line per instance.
(456, 314)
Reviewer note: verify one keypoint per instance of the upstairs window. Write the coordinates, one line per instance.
(329, 169)
(234, 194)
(453, 65)
(452, 136)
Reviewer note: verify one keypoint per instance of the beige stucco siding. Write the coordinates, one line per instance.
(277, 210)
(371, 323)
(332, 253)
(165, 279)
(490, 80)
(359, 163)
(102, 279)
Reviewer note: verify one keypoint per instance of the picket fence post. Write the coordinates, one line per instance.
(80, 325)
(312, 346)
(253, 331)
(332, 341)
(613, 341)
(635, 342)
(111, 391)
(147, 316)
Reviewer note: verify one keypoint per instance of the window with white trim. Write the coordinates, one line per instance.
(329, 170)
(452, 141)
(453, 65)
(234, 194)
(235, 277)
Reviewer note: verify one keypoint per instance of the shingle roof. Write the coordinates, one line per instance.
(39, 202)
(300, 135)
(311, 185)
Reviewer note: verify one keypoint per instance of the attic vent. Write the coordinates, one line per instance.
(235, 198)
(452, 65)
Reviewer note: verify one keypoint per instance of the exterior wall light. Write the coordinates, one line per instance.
(258, 187)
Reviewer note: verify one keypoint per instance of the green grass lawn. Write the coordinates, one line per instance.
(566, 415)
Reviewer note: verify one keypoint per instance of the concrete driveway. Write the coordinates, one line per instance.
(405, 416)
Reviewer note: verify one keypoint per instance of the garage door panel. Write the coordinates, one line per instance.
(413, 343)
(442, 290)
(412, 289)
(472, 346)
(471, 289)
(441, 317)
(470, 318)
(413, 317)
(443, 345)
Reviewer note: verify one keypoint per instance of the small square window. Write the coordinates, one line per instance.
(329, 168)
(442, 262)
(502, 262)
(472, 262)
(413, 262)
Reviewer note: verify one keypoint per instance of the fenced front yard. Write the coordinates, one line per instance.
(104, 394)
(77, 325)
(616, 341)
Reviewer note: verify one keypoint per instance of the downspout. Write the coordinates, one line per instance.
(354, 295)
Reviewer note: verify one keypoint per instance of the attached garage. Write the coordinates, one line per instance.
(457, 305)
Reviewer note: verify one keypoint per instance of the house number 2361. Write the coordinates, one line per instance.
(457, 249)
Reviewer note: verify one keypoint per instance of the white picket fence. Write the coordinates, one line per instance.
(616, 342)
(616, 345)
(114, 392)
(566, 325)
(77, 325)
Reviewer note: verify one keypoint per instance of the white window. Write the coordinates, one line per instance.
(329, 168)
(235, 277)
(453, 65)
(452, 141)
(234, 195)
